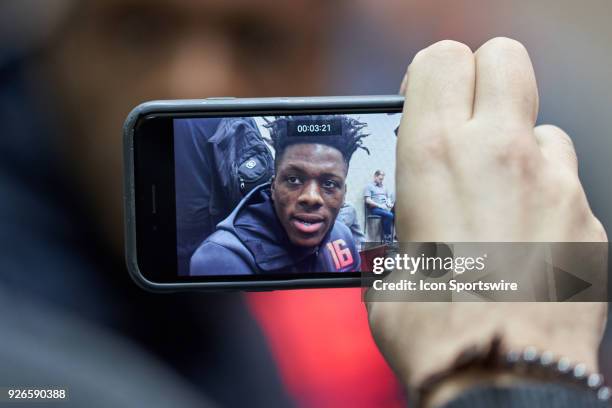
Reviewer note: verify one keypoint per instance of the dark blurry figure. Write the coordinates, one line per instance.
(85, 365)
(62, 105)
(114, 54)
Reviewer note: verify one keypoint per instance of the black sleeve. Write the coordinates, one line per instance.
(535, 395)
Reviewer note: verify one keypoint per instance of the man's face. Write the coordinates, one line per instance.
(115, 54)
(308, 191)
(379, 179)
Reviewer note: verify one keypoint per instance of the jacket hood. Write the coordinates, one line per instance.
(255, 223)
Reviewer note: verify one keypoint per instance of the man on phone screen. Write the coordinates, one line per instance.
(379, 202)
(289, 225)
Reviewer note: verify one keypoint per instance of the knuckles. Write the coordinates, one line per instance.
(435, 147)
(559, 133)
(429, 146)
(449, 47)
(502, 45)
(519, 155)
(445, 49)
(562, 188)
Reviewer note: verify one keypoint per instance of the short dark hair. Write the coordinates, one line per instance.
(350, 139)
(378, 173)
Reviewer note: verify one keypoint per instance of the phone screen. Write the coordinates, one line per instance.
(282, 196)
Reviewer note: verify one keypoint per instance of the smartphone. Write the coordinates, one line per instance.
(258, 193)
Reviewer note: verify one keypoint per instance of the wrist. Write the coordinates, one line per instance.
(430, 353)
(497, 367)
(455, 385)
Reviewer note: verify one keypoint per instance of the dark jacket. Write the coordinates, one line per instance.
(212, 175)
(252, 240)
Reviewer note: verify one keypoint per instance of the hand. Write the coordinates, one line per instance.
(475, 168)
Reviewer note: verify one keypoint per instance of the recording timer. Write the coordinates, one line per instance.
(322, 128)
(313, 127)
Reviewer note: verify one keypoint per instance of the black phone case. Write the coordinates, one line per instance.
(233, 105)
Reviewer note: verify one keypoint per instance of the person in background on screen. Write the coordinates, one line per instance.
(378, 202)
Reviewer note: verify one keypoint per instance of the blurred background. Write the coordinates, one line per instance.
(71, 70)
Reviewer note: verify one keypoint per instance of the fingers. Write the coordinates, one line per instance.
(440, 84)
(556, 146)
(506, 91)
